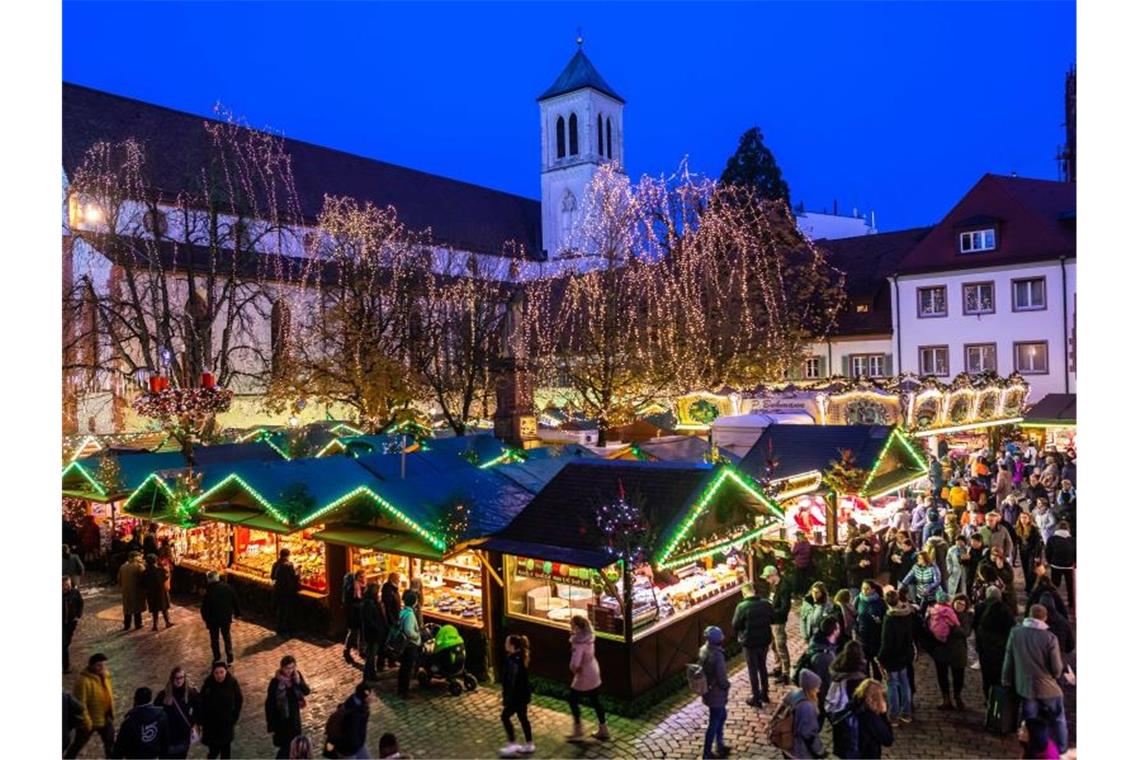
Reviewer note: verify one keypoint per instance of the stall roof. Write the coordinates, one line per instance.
(799, 449)
(380, 540)
(682, 448)
(533, 474)
(1059, 409)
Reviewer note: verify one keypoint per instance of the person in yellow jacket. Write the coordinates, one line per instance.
(958, 497)
(93, 692)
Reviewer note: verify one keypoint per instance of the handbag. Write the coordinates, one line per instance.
(195, 734)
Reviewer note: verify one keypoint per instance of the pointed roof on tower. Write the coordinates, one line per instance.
(578, 74)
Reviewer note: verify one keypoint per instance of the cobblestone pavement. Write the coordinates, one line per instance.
(434, 724)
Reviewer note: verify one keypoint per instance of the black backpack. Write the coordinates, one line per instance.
(334, 729)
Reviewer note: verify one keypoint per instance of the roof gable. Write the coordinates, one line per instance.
(579, 74)
(1034, 220)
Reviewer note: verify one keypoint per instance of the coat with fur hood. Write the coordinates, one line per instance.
(583, 663)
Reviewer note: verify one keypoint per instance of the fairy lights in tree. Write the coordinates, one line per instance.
(624, 527)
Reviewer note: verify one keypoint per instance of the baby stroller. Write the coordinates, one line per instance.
(444, 656)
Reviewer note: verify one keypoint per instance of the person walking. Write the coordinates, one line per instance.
(284, 700)
(711, 659)
(994, 622)
(72, 566)
(1003, 485)
(352, 597)
(918, 522)
(819, 656)
(390, 748)
(924, 579)
(1061, 556)
(956, 582)
(221, 700)
(154, 580)
(803, 702)
(219, 608)
(895, 654)
(144, 733)
(93, 691)
(72, 719)
(586, 682)
(900, 558)
(179, 700)
(801, 561)
(870, 708)
(752, 622)
(349, 737)
(301, 748)
(996, 535)
(781, 598)
(286, 586)
(816, 606)
(72, 612)
(131, 586)
(373, 631)
(1045, 519)
(870, 610)
(1029, 546)
(516, 695)
(999, 563)
(1032, 667)
(847, 672)
(950, 653)
(411, 630)
(390, 602)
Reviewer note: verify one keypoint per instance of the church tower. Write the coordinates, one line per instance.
(581, 128)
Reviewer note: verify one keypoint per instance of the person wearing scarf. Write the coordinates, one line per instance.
(284, 700)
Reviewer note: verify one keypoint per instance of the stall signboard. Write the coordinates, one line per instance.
(559, 572)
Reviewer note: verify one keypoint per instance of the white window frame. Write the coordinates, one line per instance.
(976, 241)
(1028, 283)
(983, 347)
(875, 365)
(813, 367)
(933, 353)
(922, 314)
(1043, 355)
(976, 288)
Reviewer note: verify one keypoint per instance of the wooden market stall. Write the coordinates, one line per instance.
(1052, 421)
(556, 559)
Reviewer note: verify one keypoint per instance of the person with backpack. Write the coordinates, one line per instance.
(346, 730)
(816, 606)
(869, 613)
(895, 654)
(284, 700)
(713, 666)
(179, 700)
(373, 632)
(873, 732)
(516, 694)
(286, 587)
(950, 652)
(1061, 556)
(781, 598)
(221, 700)
(404, 642)
(352, 597)
(847, 672)
(818, 657)
(752, 622)
(144, 733)
(794, 728)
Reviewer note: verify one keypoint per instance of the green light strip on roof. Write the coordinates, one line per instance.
(899, 487)
(428, 536)
(234, 478)
(329, 445)
(510, 456)
(252, 434)
(273, 446)
(895, 435)
(343, 426)
(157, 479)
(83, 445)
(686, 559)
(86, 475)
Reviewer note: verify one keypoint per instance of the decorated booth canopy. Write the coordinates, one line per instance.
(1053, 410)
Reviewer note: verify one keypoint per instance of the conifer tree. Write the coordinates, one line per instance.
(753, 165)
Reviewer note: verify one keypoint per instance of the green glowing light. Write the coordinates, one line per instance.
(249, 490)
(740, 540)
(273, 446)
(349, 428)
(899, 487)
(329, 445)
(428, 536)
(86, 475)
(153, 477)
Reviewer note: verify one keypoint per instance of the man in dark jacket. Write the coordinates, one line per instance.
(390, 604)
(373, 631)
(860, 566)
(219, 608)
(144, 732)
(352, 728)
(819, 656)
(896, 654)
(286, 584)
(781, 598)
(1033, 666)
(752, 622)
(72, 611)
(72, 718)
(1061, 556)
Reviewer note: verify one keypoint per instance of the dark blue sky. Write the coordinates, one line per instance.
(896, 107)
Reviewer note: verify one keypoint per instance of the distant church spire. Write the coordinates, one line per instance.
(580, 40)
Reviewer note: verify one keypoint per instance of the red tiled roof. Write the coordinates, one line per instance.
(1035, 221)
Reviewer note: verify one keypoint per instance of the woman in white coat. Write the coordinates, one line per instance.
(955, 573)
(587, 679)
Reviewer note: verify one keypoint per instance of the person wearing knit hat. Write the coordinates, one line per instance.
(781, 597)
(805, 716)
(716, 696)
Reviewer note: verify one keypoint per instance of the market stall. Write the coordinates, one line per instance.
(806, 463)
(685, 529)
(1052, 421)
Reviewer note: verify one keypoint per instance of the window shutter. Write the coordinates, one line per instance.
(846, 364)
(824, 370)
(888, 365)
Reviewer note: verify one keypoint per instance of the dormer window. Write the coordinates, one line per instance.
(977, 240)
(862, 308)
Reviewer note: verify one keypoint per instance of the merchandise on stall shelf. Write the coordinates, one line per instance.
(308, 557)
(377, 565)
(255, 551)
(205, 547)
(453, 588)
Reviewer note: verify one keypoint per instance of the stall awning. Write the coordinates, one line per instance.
(1053, 410)
(577, 557)
(379, 540)
(246, 519)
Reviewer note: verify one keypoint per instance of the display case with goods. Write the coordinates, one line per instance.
(308, 557)
(452, 588)
(378, 565)
(204, 547)
(255, 551)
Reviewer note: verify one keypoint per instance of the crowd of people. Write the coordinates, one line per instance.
(939, 582)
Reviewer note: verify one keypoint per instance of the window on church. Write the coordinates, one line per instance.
(573, 134)
(561, 129)
(609, 141)
(601, 147)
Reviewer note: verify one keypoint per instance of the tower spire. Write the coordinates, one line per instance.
(579, 39)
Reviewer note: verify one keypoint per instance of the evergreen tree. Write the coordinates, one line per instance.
(753, 165)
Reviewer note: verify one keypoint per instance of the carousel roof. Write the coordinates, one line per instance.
(798, 449)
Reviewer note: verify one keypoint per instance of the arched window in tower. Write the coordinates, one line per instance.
(561, 129)
(279, 327)
(569, 203)
(609, 140)
(601, 147)
(573, 134)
